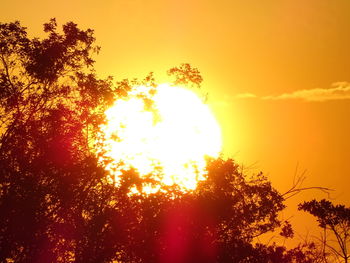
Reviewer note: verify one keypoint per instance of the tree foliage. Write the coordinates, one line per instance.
(50, 105)
(56, 204)
(333, 218)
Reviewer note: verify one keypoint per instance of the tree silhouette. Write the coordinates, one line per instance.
(217, 222)
(50, 105)
(56, 203)
(333, 218)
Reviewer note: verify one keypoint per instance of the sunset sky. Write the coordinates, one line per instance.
(275, 72)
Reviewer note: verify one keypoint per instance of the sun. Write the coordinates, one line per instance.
(163, 133)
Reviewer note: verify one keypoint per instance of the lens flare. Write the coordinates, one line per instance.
(162, 133)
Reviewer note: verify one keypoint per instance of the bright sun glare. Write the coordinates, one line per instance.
(164, 133)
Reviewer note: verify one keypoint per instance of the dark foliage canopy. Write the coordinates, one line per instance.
(56, 204)
(333, 218)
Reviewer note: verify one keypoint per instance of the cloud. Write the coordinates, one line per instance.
(338, 91)
(245, 96)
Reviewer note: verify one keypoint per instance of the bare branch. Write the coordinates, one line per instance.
(298, 181)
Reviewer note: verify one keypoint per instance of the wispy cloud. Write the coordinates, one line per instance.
(338, 91)
(245, 96)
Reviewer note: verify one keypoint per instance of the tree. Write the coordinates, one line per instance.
(333, 218)
(216, 223)
(50, 104)
(56, 203)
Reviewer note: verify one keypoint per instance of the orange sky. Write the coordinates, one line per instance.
(244, 48)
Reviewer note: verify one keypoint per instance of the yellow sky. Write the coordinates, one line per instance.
(265, 48)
